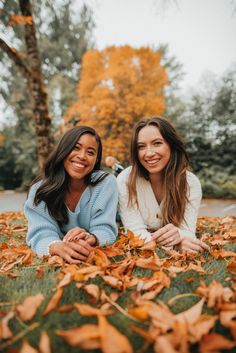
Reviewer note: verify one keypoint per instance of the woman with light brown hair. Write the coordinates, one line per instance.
(159, 197)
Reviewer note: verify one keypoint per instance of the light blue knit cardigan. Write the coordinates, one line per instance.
(95, 212)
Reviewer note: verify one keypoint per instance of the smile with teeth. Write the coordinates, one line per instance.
(153, 161)
(78, 165)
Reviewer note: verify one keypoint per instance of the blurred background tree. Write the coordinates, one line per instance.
(208, 124)
(62, 40)
(118, 86)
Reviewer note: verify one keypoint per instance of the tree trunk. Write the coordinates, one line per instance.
(40, 106)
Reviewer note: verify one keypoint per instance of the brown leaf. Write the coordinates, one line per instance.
(214, 343)
(87, 310)
(112, 341)
(30, 305)
(93, 291)
(191, 315)
(215, 294)
(86, 336)
(44, 343)
(53, 301)
(201, 327)
(27, 348)
(5, 331)
(113, 282)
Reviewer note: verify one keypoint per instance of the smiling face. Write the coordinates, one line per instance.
(81, 161)
(153, 151)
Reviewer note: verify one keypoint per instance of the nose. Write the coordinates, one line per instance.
(81, 154)
(149, 151)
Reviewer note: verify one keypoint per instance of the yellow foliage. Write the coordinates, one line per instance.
(1, 139)
(118, 86)
(20, 20)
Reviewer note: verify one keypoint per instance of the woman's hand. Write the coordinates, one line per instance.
(188, 244)
(71, 252)
(75, 234)
(167, 235)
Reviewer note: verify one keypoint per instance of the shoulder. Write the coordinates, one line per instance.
(33, 189)
(124, 176)
(108, 180)
(194, 183)
(192, 179)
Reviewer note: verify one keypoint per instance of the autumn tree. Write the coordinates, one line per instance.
(118, 86)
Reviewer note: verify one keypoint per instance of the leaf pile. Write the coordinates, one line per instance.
(129, 297)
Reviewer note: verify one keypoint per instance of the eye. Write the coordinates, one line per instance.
(77, 147)
(157, 143)
(91, 153)
(141, 147)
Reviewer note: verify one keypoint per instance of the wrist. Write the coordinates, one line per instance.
(52, 247)
(95, 243)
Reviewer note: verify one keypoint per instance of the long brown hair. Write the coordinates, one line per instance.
(174, 176)
(55, 180)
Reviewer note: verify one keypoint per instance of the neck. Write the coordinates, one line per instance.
(77, 185)
(156, 179)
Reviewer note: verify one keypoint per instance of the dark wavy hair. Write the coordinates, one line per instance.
(174, 176)
(55, 180)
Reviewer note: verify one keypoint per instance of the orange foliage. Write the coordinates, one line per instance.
(20, 20)
(118, 86)
(1, 139)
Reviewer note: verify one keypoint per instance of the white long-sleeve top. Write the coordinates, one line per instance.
(148, 214)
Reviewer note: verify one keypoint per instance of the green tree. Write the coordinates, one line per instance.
(209, 125)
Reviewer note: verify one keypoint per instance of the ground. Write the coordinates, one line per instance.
(130, 297)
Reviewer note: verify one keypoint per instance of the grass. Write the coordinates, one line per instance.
(29, 279)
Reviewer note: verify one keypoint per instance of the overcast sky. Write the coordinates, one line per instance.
(200, 33)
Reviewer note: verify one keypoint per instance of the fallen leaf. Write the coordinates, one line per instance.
(27, 348)
(44, 343)
(214, 343)
(86, 336)
(30, 305)
(53, 301)
(112, 341)
(5, 331)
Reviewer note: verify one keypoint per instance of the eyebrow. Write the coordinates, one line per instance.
(157, 139)
(89, 148)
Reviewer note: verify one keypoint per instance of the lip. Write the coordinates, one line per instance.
(78, 165)
(153, 162)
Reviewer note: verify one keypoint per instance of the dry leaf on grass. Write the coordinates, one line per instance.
(86, 336)
(44, 343)
(112, 341)
(87, 310)
(30, 305)
(53, 301)
(27, 348)
(214, 343)
(191, 315)
(5, 331)
(215, 293)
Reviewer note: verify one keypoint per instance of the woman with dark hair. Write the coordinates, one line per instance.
(159, 197)
(72, 205)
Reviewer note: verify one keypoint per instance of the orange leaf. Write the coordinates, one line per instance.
(191, 315)
(44, 343)
(86, 336)
(5, 332)
(53, 301)
(27, 348)
(28, 308)
(214, 343)
(112, 341)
